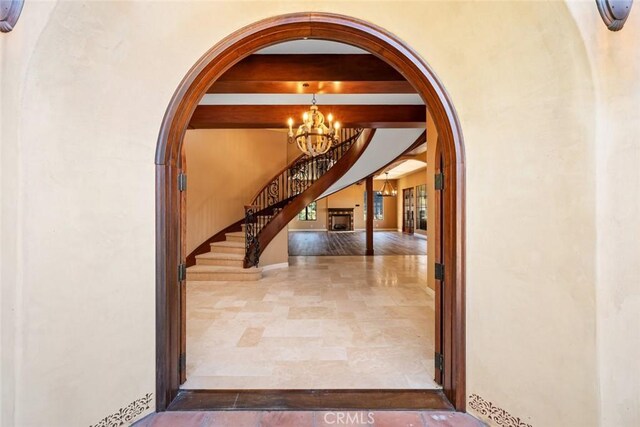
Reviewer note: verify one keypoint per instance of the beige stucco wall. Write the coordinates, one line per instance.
(350, 197)
(552, 197)
(225, 169)
(615, 65)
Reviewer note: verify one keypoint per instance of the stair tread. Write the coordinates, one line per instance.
(222, 269)
(228, 244)
(220, 255)
(235, 233)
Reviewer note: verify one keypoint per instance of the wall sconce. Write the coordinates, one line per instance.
(9, 14)
(614, 13)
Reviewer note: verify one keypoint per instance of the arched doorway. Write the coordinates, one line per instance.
(450, 226)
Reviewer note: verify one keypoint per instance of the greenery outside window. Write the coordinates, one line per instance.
(421, 195)
(378, 206)
(309, 213)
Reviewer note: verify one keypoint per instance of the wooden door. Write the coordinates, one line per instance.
(408, 209)
(437, 237)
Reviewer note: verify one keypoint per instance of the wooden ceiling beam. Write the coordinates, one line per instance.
(276, 116)
(326, 73)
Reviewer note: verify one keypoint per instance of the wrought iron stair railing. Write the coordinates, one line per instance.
(284, 187)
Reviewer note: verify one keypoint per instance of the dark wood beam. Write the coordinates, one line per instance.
(360, 73)
(275, 116)
(369, 225)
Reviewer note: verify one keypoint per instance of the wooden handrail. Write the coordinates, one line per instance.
(296, 160)
(290, 210)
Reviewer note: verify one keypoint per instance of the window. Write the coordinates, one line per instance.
(309, 213)
(378, 206)
(421, 195)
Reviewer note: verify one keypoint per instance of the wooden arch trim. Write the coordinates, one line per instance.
(207, 70)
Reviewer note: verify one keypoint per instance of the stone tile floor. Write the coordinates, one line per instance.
(323, 323)
(309, 419)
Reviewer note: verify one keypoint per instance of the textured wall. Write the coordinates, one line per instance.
(84, 89)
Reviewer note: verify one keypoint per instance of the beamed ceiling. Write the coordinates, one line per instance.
(265, 89)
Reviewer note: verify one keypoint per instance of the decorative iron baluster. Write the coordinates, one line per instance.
(292, 182)
(251, 231)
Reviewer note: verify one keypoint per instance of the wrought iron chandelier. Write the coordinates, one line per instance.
(387, 189)
(313, 136)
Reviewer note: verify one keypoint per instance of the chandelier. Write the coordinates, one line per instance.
(387, 189)
(313, 136)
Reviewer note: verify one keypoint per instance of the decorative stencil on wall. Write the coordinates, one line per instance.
(126, 414)
(494, 413)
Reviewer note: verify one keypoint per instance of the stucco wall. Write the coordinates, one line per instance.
(552, 196)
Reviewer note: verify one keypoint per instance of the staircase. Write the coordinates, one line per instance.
(234, 253)
(225, 262)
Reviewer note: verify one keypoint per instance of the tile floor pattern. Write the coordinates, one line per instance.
(323, 323)
(309, 419)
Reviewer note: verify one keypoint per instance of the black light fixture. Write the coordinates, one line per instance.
(387, 189)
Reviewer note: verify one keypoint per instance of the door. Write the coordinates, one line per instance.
(439, 272)
(408, 208)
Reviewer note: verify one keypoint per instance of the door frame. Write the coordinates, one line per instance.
(411, 228)
(169, 161)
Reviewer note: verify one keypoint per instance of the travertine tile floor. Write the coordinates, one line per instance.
(324, 322)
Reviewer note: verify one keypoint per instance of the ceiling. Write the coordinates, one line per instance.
(309, 46)
(405, 168)
(359, 89)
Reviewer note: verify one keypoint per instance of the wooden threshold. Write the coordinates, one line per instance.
(310, 400)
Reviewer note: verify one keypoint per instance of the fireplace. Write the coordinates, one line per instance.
(340, 219)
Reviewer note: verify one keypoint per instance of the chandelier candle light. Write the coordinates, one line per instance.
(387, 189)
(313, 136)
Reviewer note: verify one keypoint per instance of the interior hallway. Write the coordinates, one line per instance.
(353, 243)
(324, 322)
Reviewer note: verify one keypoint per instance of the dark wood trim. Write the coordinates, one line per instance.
(369, 224)
(325, 87)
(211, 67)
(304, 67)
(310, 400)
(276, 116)
(328, 73)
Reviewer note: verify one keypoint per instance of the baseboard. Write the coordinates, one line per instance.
(309, 229)
(431, 292)
(420, 236)
(275, 266)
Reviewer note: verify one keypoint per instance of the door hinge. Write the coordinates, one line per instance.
(439, 360)
(182, 272)
(439, 181)
(182, 181)
(439, 271)
(182, 362)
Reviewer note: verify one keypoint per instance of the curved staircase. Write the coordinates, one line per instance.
(234, 252)
(225, 262)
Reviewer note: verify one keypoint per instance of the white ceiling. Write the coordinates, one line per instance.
(310, 47)
(386, 145)
(404, 168)
(303, 99)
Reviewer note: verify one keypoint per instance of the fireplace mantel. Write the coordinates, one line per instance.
(340, 219)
